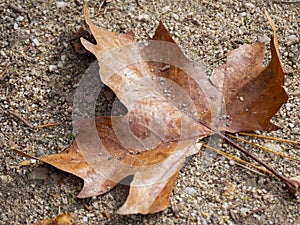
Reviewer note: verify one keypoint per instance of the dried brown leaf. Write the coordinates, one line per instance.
(171, 102)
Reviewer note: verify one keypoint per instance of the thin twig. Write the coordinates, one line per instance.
(288, 72)
(48, 125)
(263, 147)
(292, 185)
(254, 171)
(228, 156)
(18, 116)
(256, 211)
(287, 2)
(269, 138)
(2, 75)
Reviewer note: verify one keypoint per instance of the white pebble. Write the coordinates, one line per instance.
(144, 17)
(250, 5)
(35, 42)
(175, 16)
(274, 147)
(288, 106)
(20, 18)
(3, 54)
(292, 38)
(291, 125)
(244, 211)
(190, 190)
(166, 9)
(243, 14)
(52, 68)
(231, 162)
(85, 218)
(16, 26)
(61, 4)
(60, 64)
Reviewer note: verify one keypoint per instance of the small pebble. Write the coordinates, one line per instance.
(231, 162)
(166, 9)
(52, 68)
(250, 5)
(288, 106)
(190, 190)
(20, 18)
(35, 42)
(243, 14)
(60, 64)
(16, 26)
(61, 4)
(292, 37)
(274, 147)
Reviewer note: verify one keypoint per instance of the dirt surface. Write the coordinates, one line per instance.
(39, 73)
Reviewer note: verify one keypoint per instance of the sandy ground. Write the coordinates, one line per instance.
(39, 73)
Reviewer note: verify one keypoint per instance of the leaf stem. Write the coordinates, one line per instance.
(292, 185)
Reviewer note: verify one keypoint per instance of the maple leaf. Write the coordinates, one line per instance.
(171, 103)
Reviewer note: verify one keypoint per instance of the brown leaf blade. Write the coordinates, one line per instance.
(253, 94)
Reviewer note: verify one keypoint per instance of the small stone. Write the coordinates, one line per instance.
(291, 125)
(5, 178)
(85, 219)
(166, 9)
(288, 106)
(243, 14)
(3, 54)
(16, 26)
(190, 190)
(175, 16)
(52, 68)
(61, 4)
(35, 42)
(231, 162)
(244, 211)
(144, 17)
(274, 147)
(20, 18)
(60, 64)
(228, 189)
(250, 5)
(292, 38)
(241, 98)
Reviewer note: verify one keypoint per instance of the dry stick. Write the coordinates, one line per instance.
(18, 116)
(4, 72)
(264, 148)
(256, 211)
(292, 71)
(228, 156)
(254, 171)
(287, 2)
(292, 185)
(48, 125)
(269, 138)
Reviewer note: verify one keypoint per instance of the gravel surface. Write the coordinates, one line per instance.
(39, 73)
